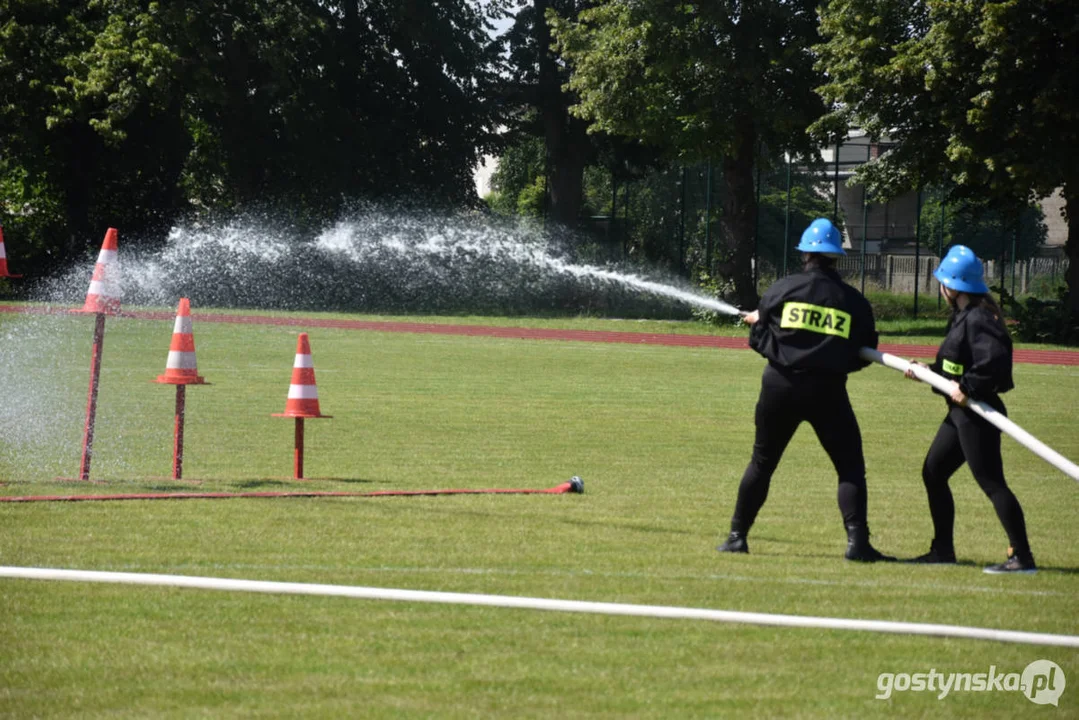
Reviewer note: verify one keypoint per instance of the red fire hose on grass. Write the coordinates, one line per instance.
(573, 485)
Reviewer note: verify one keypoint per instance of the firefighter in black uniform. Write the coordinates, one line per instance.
(976, 356)
(810, 327)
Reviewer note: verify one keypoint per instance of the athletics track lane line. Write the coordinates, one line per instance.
(1027, 356)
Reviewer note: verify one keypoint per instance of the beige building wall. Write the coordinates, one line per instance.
(895, 221)
(1058, 228)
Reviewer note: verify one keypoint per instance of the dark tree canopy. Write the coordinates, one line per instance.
(982, 96)
(725, 80)
(130, 112)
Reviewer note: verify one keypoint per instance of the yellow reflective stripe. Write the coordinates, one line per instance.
(815, 318)
(951, 368)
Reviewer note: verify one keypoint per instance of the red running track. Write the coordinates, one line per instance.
(1034, 357)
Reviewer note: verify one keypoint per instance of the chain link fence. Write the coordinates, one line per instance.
(671, 219)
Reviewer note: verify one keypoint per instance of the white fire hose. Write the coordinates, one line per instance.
(926, 375)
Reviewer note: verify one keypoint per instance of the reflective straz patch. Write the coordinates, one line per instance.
(951, 368)
(815, 318)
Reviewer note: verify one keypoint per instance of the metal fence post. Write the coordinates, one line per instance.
(787, 216)
(917, 248)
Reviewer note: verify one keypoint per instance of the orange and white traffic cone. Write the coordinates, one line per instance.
(3, 259)
(302, 400)
(104, 293)
(302, 393)
(181, 370)
(181, 367)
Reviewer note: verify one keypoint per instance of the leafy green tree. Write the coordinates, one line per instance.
(535, 89)
(982, 227)
(518, 168)
(806, 204)
(131, 112)
(982, 95)
(717, 80)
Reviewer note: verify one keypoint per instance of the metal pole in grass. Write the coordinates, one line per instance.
(178, 432)
(102, 298)
(297, 464)
(91, 400)
(998, 419)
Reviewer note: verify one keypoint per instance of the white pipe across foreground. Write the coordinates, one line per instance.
(529, 603)
(926, 375)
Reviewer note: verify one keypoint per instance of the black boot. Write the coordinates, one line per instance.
(939, 554)
(735, 543)
(859, 549)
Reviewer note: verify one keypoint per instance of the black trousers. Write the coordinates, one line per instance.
(786, 400)
(966, 437)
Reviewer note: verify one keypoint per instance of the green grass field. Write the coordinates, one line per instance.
(661, 436)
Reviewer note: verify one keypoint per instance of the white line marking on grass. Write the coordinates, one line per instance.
(528, 603)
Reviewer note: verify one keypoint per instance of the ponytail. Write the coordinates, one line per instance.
(989, 304)
(817, 260)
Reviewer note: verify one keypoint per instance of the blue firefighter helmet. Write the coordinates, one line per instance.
(961, 270)
(821, 237)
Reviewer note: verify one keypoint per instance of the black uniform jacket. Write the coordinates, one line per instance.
(815, 322)
(976, 353)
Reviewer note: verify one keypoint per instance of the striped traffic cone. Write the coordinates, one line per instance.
(104, 294)
(3, 259)
(302, 400)
(302, 393)
(181, 368)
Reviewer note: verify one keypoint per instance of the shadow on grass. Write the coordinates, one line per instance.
(1059, 570)
(635, 527)
(294, 484)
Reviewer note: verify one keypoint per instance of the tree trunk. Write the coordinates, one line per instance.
(739, 216)
(566, 136)
(1071, 247)
(567, 144)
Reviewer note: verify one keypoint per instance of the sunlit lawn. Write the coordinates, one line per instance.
(660, 435)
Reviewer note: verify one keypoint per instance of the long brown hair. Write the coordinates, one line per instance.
(986, 301)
